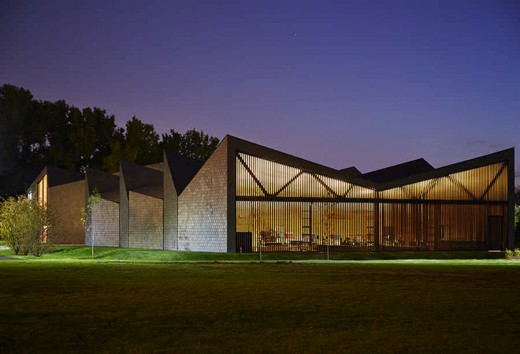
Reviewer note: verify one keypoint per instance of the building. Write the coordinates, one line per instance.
(178, 172)
(103, 225)
(63, 191)
(247, 197)
(141, 206)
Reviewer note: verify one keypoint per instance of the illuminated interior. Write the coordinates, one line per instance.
(43, 191)
(284, 208)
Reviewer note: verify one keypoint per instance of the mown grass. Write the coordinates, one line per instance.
(142, 255)
(372, 306)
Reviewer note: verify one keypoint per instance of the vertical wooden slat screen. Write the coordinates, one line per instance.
(289, 209)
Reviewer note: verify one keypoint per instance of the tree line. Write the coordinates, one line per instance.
(35, 133)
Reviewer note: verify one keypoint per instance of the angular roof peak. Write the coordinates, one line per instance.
(351, 171)
(182, 169)
(106, 183)
(141, 179)
(58, 176)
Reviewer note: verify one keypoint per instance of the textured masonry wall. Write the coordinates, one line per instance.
(145, 216)
(66, 202)
(203, 207)
(104, 225)
(170, 213)
(123, 214)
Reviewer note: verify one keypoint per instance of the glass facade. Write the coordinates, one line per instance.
(284, 208)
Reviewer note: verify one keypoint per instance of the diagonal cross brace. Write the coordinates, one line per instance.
(252, 175)
(493, 181)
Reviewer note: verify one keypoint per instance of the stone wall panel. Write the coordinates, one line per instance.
(203, 207)
(145, 221)
(104, 225)
(66, 202)
(170, 212)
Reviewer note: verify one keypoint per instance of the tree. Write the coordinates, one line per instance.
(21, 126)
(197, 145)
(78, 138)
(59, 148)
(327, 220)
(35, 133)
(256, 224)
(141, 142)
(22, 137)
(171, 141)
(110, 161)
(93, 199)
(193, 143)
(91, 136)
(138, 143)
(26, 226)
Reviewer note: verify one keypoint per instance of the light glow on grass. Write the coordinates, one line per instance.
(82, 254)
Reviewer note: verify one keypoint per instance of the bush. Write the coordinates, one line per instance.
(25, 226)
(513, 254)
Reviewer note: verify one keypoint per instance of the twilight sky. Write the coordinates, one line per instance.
(341, 83)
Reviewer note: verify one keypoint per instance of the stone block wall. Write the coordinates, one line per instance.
(203, 207)
(104, 225)
(66, 202)
(145, 221)
(170, 213)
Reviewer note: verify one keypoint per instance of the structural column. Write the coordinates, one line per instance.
(376, 224)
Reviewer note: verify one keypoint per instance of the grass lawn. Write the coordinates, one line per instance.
(109, 254)
(60, 304)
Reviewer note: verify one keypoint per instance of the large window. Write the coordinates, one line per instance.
(305, 226)
(259, 177)
(479, 184)
(284, 208)
(43, 191)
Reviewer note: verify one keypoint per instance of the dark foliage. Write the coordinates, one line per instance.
(35, 133)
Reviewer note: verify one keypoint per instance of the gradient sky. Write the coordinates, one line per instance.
(341, 83)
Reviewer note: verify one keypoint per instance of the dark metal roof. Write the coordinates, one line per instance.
(142, 180)
(107, 184)
(159, 166)
(350, 171)
(500, 156)
(57, 176)
(182, 169)
(402, 170)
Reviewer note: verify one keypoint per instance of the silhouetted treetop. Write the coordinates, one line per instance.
(34, 133)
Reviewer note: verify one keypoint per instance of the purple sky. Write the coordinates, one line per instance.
(341, 83)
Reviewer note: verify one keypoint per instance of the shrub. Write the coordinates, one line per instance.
(513, 254)
(25, 226)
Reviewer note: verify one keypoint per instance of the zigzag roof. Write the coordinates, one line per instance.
(182, 169)
(57, 176)
(106, 183)
(142, 180)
